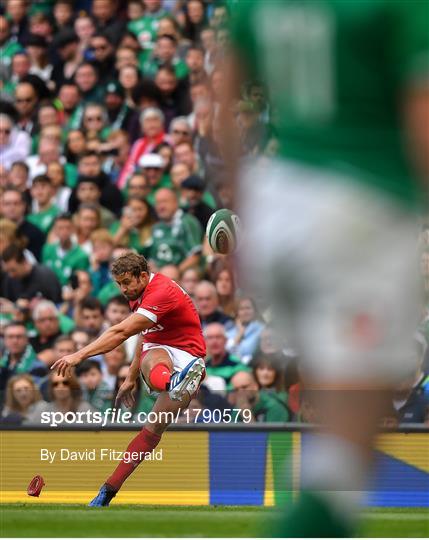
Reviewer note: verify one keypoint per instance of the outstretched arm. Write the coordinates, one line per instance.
(110, 339)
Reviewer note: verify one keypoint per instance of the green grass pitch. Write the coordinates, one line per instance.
(62, 520)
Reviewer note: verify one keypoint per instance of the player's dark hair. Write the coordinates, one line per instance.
(13, 253)
(131, 263)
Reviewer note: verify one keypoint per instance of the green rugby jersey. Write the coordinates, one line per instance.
(172, 243)
(63, 263)
(336, 71)
(45, 219)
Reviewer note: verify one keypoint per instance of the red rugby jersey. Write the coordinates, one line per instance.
(177, 323)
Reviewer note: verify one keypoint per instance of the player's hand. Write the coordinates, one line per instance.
(64, 365)
(126, 394)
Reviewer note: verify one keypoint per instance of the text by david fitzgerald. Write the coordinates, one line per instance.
(99, 454)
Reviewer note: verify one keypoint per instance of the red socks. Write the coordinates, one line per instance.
(159, 377)
(145, 441)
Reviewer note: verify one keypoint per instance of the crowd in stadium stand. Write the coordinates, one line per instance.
(110, 142)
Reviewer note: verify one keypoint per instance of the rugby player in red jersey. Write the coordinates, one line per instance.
(169, 355)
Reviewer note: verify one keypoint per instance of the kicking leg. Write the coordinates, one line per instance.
(149, 437)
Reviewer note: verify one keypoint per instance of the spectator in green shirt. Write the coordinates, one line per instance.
(219, 362)
(43, 192)
(165, 53)
(135, 227)
(63, 256)
(88, 191)
(8, 46)
(95, 390)
(265, 407)
(176, 238)
(269, 374)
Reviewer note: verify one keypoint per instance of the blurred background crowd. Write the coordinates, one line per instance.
(110, 142)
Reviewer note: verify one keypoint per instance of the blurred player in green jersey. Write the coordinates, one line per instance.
(333, 221)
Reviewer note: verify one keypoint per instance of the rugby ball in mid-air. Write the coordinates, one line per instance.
(223, 231)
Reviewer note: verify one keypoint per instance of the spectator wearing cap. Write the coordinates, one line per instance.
(176, 237)
(28, 279)
(152, 124)
(119, 113)
(152, 166)
(44, 211)
(64, 256)
(66, 42)
(37, 49)
(192, 192)
(13, 207)
(14, 143)
(103, 55)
